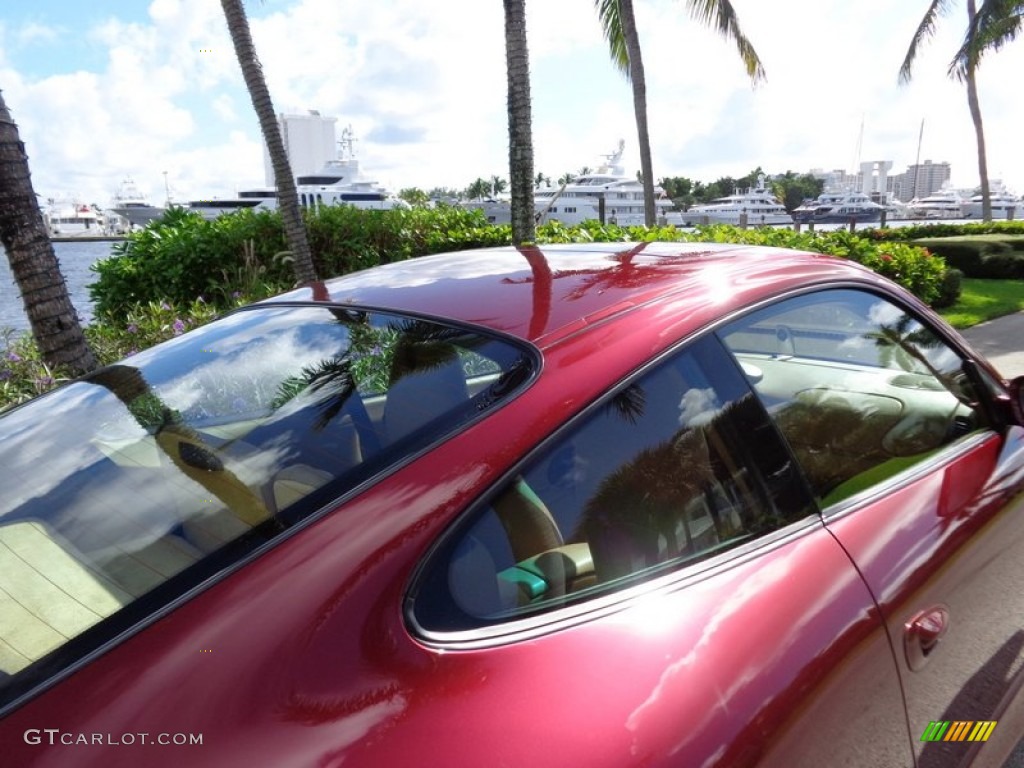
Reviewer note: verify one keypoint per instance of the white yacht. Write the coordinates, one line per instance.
(944, 203)
(579, 200)
(340, 182)
(1003, 204)
(838, 207)
(897, 210)
(755, 206)
(497, 210)
(73, 218)
(250, 199)
(130, 203)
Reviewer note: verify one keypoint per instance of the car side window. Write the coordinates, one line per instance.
(860, 388)
(674, 466)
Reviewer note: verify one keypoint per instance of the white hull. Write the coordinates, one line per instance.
(934, 212)
(753, 207)
(72, 219)
(944, 204)
(623, 196)
(1001, 207)
(733, 216)
(139, 215)
(132, 205)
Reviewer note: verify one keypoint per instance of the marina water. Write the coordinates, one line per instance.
(75, 259)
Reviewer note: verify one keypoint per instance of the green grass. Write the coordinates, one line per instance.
(982, 300)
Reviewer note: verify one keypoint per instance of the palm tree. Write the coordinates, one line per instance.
(965, 68)
(619, 26)
(498, 185)
(287, 195)
(996, 23)
(479, 189)
(520, 131)
(55, 326)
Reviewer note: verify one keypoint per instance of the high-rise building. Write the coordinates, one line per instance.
(919, 180)
(309, 141)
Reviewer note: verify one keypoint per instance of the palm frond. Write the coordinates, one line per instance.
(611, 26)
(924, 31)
(996, 23)
(720, 15)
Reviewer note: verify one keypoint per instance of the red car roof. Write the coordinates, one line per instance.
(542, 293)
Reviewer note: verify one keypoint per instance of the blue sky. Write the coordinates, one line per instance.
(111, 88)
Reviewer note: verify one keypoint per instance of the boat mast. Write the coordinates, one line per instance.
(860, 146)
(917, 162)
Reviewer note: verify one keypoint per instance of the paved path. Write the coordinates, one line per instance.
(1001, 342)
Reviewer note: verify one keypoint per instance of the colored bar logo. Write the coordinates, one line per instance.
(959, 730)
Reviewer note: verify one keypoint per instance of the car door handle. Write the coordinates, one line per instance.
(922, 633)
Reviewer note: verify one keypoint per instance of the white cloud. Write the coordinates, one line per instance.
(33, 32)
(162, 92)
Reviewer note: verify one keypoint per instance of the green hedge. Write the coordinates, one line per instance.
(913, 267)
(987, 256)
(184, 257)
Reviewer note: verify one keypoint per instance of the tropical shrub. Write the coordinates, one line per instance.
(185, 257)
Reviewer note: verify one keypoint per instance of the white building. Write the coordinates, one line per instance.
(309, 141)
(919, 180)
(874, 178)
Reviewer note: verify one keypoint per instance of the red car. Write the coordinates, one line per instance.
(603, 505)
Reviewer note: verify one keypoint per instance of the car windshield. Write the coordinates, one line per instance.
(144, 478)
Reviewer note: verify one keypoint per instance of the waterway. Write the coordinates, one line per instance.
(75, 259)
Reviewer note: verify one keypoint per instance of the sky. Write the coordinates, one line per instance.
(109, 89)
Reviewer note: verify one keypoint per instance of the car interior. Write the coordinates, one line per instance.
(213, 485)
(856, 409)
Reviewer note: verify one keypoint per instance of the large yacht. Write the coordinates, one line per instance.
(130, 203)
(755, 206)
(944, 203)
(579, 199)
(340, 182)
(838, 207)
(496, 209)
(73, 218)
(1004, 205)
(250, 199)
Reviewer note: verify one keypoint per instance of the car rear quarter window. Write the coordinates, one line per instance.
(861, 389)
(125, 489)
(673, 467)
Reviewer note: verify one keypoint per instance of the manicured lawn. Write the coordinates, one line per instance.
(982, 300)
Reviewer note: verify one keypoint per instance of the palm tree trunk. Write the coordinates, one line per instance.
(636, 77)
(520, 131)
(979, 131)
(287, 195)
(52, 317)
